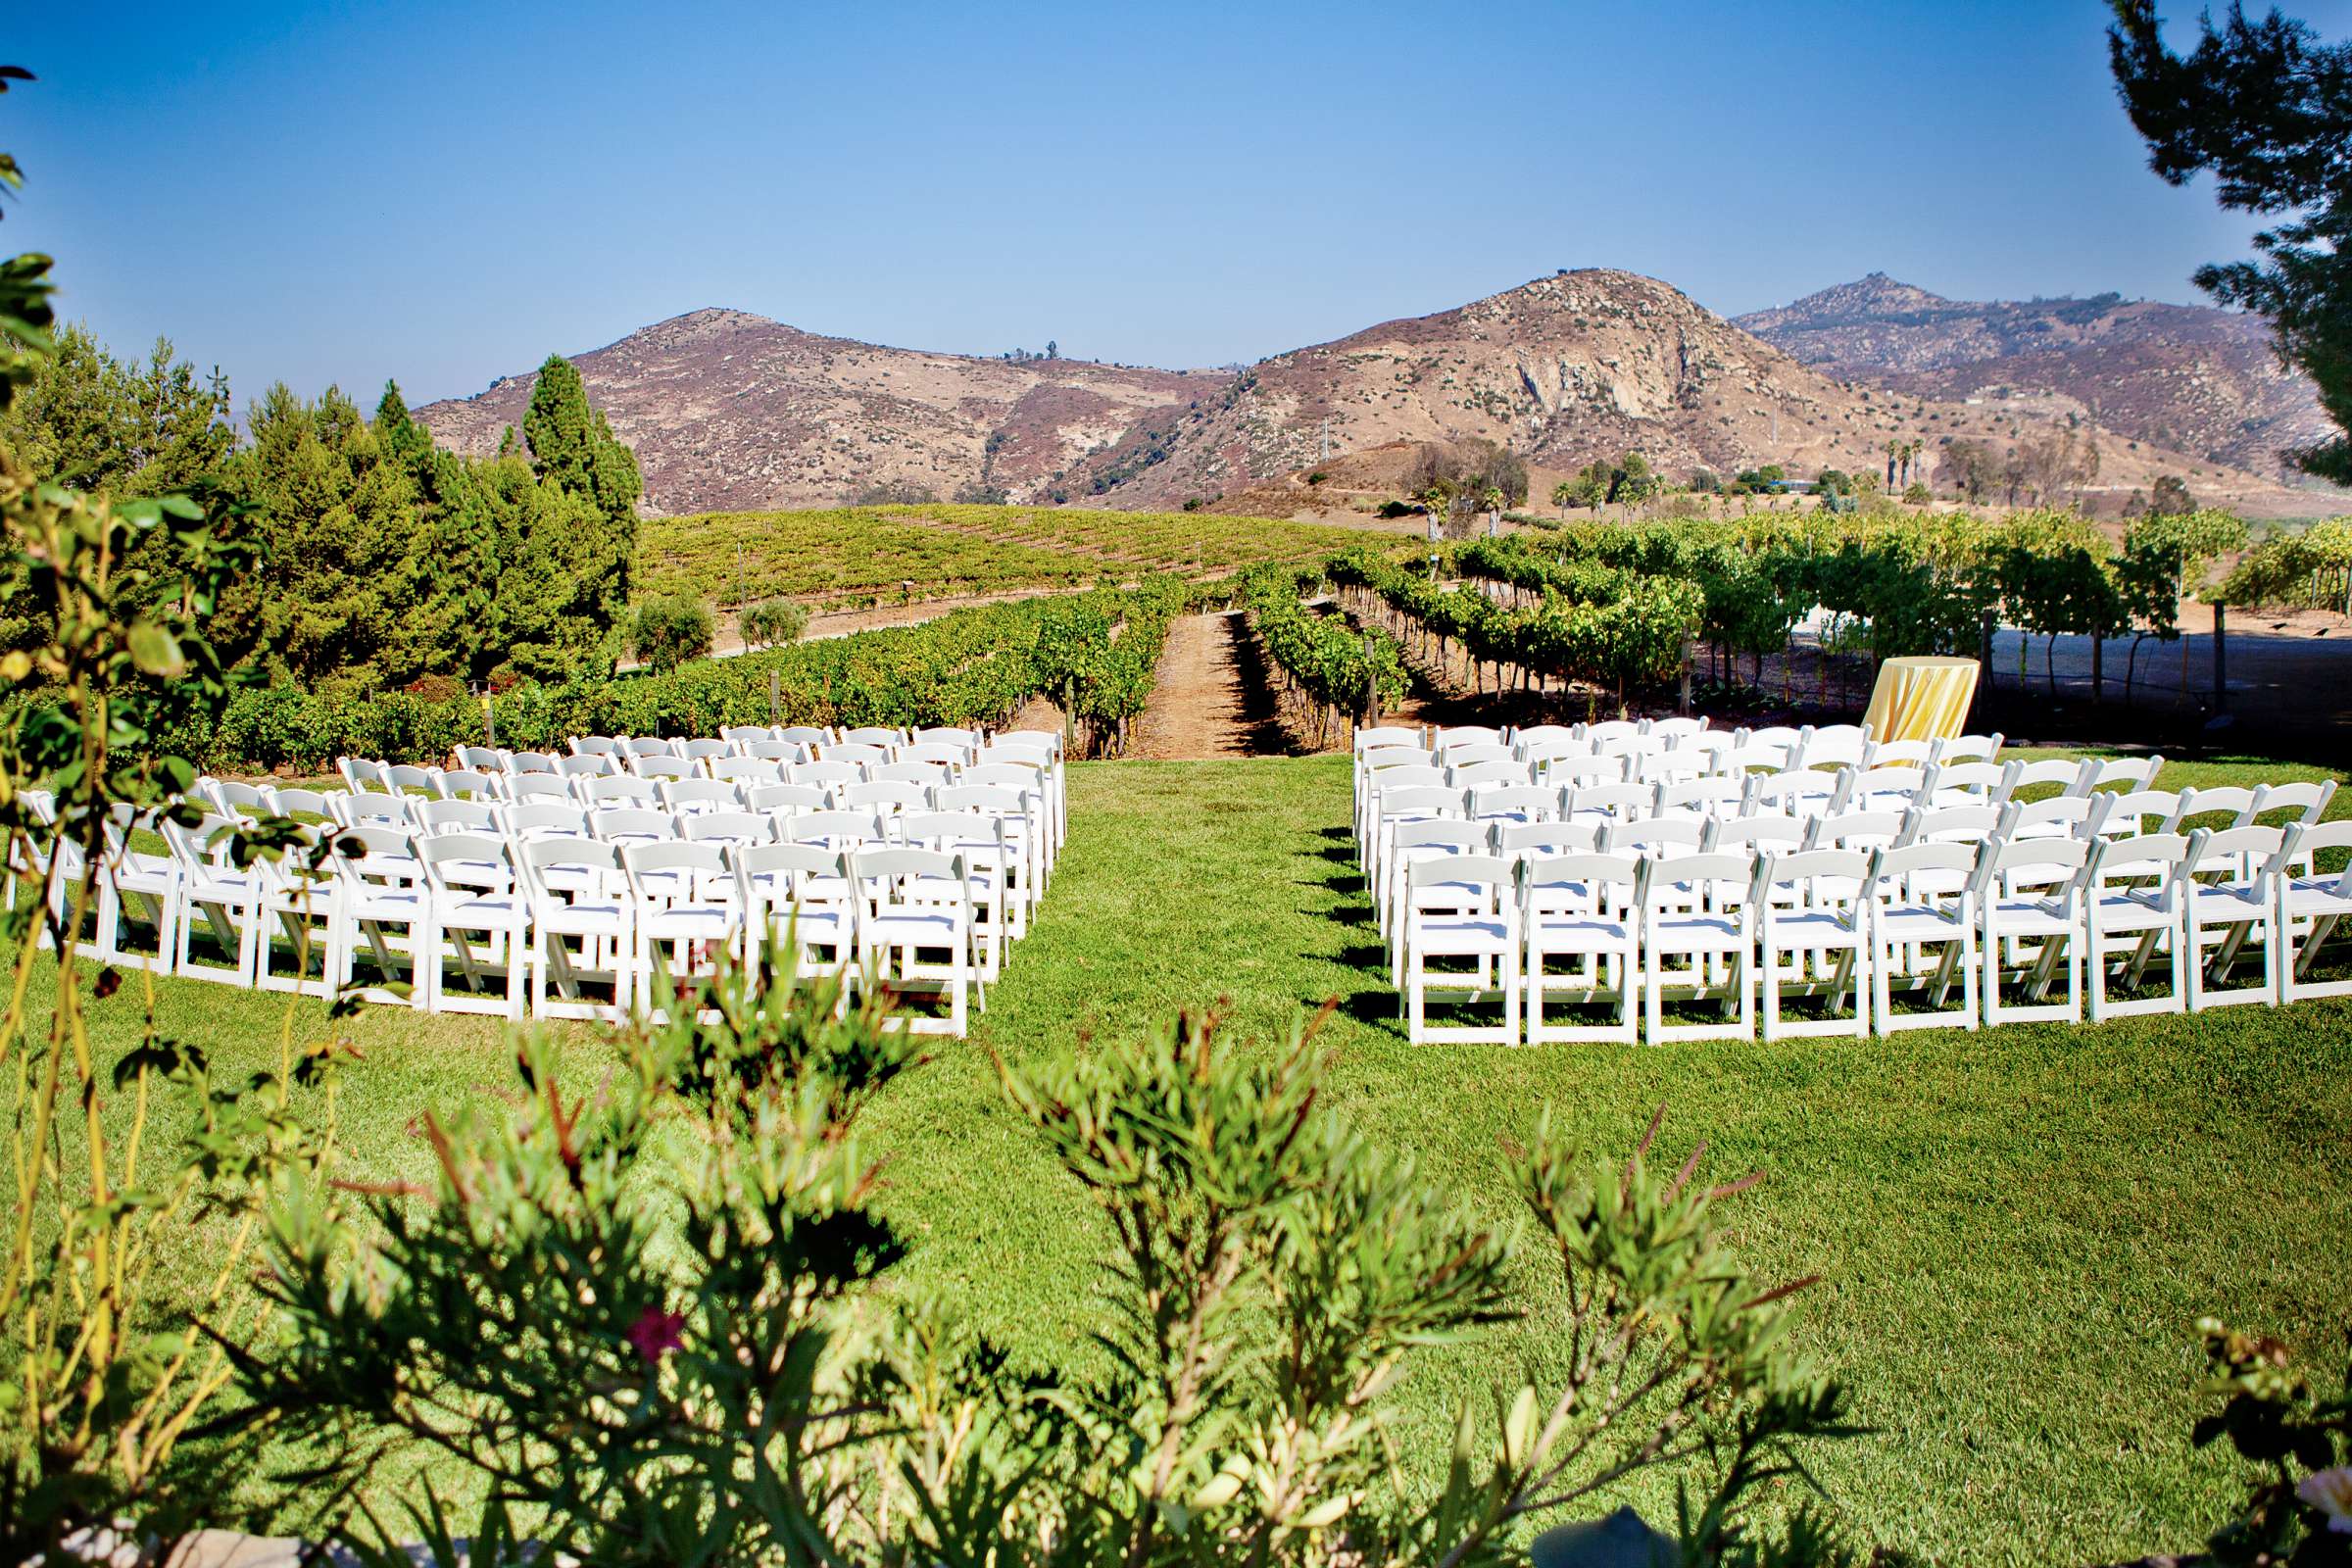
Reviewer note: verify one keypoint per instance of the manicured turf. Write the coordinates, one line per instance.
(2015, 1228)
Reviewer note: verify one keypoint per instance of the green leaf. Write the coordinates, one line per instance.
(156, 651)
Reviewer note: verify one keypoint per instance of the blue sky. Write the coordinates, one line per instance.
(445, 193)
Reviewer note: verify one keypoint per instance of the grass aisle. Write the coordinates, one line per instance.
(2016, 1228)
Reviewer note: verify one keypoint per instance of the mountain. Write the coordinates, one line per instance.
(2201, 380)
(729, 411)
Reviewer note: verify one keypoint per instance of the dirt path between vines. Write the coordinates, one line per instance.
(1209, 697)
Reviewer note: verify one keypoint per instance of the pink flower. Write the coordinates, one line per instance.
(2330, 1491)
(657, 1333)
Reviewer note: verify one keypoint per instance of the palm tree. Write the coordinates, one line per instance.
(1562, 494)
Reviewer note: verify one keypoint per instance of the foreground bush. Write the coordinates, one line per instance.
(650, 1321)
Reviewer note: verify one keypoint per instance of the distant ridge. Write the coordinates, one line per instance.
(2202, 380)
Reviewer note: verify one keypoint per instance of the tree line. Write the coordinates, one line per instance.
(380, 562)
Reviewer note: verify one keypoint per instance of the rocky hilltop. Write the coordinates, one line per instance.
(731, 411)
(2199, 380)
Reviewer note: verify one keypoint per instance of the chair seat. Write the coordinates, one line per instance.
(1915, 923)
(1806, 926)
(384, 903)
(694, 922)
(1553, 931)
(585, 917)
(2230, 901)
(1456, 936)
(503, 911)
(900, 929)
(1687, 933)
(2317, 896)
(2131, 911)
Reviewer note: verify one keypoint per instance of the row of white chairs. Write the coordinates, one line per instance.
(1677, 747)
(2004, 920)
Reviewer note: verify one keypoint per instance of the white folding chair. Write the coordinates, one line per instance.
(1921, 898)
(1701, 910)
(799, 893)
(1580, 908)
(1811, 940)
(577, 893)
(379, 890)
(1461, 908)
(2313, 905)
(2030, 897)
(224, 899)
(2131, 908)
(470, 891)
(2231, 897)
(915, 929)
(682, 899)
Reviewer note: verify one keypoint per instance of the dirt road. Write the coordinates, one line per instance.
(1210, 699)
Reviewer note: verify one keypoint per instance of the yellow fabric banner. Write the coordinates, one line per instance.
(1922, 699)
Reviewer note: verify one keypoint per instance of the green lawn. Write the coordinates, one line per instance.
(2015, 1228)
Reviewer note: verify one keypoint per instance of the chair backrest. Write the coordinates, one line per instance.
(1716, 878)
(1753, 757)
(804, 735)
(376, 854)
(1519, 840)
(705, 750)
(1438, 833)
(873, 735)
(941, 753)
(737, 734)
(540, 787)
(1582, 882)
(1679, 729)
(1952, 824)
(454, 862)
(1877, 788)
(483, 759)
(1535, 735)
(1380, 757)
(883, 795)
(687, 796)
(232, 798)
(663, 766)
(2078, 814)
(746, 769)
(2049, 864)
(2058, 771)
(457, 816)
(359, 773)
(2308, 801)
(2225, 805)
(947, 830)
(773, 875)
(1528, 803)
(586, 764)
(1017, 775)
(1700, 797)
(998, 799)
(1652, 767)
(878, 872)
(2121, 772)
(774, 751)
(1895, 871)
(2236, 853)
(299, 803)
(1970, 749)
(839, 829)
(787, 797)
(1498, 773)
(534, 858)
(1656, 836)
(827, 774)
(673, 868)
(1611, 729)
(1825, 750)
(1819, 878)
(1386, 735)
(1857, 830)
(1752, 834)
(1800, 792)
(620, 790)
(2142, 811)
(864, 754)
(1553, 748)
(1578, 772)
(1903, 754)
(2160, 856)
(1984, 782)
(406, 777)
(1423, 800)
(1494, 877)
(593, 746)
(729, 828)
(1407, 776)
(1619, 803)
(1787, 735)
(631, 825)
(922, 775)
(1449, 735)
(948, 735)
(541, 819)
(358, 810)
(2327, 836)
(649, 746)
(1463, 753)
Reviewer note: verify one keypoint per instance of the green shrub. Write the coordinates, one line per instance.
(668, 629)
(774, 622)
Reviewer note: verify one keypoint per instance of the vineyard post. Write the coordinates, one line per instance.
(1371, 686)
(775, 696)
(1985, 654)
(2220, 657)
(1685, 708)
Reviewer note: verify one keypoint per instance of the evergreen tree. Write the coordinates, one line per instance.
(574, 447)
(2266, 108)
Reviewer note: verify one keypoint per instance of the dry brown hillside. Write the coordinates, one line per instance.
(1576, 367)
(729, 411)
(2188, 377)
